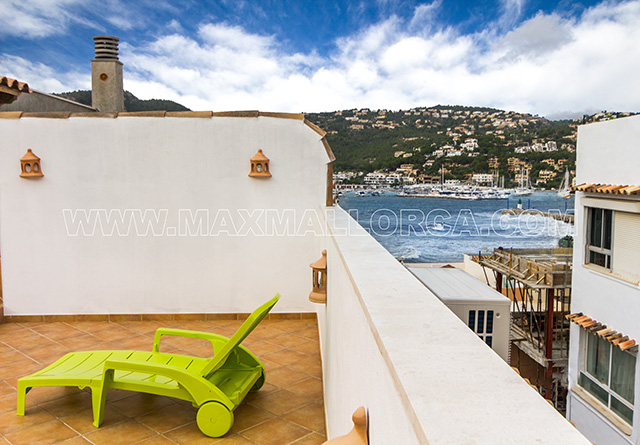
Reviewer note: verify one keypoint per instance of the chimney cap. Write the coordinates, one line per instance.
(106, 47)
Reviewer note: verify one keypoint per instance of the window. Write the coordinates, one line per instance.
(483, 325)
(608, 375)
(599, 231)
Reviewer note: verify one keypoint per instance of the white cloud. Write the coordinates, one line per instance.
(41, 18)
(546, 65)
(41, 77)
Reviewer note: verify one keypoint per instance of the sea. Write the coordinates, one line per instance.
(436, 230)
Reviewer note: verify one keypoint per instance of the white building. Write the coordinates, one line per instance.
(604, 375)
(482, 178)
(375, 178)
(469, 144)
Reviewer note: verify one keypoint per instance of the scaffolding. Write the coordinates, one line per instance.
(538, 283)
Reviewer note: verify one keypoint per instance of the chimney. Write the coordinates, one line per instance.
(107, 92)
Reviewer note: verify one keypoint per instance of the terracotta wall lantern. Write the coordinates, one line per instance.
(30, 166)
(319, 276)
(260, 166)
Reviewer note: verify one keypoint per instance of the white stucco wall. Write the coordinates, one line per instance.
(390, 345)
(167, 165)
(607, 154)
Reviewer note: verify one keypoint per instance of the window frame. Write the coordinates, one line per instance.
(607, 388)
(591, 248)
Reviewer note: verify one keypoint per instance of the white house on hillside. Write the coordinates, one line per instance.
(604, 398)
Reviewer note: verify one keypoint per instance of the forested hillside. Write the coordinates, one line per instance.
(131, 102)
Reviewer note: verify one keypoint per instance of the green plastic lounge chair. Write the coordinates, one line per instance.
(216, 386)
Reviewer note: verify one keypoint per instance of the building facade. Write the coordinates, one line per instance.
(604, 396)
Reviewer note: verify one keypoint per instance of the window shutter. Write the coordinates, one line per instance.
(626, 245)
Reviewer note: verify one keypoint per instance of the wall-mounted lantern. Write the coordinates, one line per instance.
(30, 166)
(319, 276)
(260, 166)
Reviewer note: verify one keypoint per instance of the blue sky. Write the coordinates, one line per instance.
(556, 59)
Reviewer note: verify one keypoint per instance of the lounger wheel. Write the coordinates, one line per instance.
(214, 419)
(259, 383)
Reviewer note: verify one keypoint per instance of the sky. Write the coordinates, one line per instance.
(554, 59)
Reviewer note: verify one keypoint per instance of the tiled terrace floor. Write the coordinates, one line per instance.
(287, 410)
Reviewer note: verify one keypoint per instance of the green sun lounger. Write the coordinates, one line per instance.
(216, 386)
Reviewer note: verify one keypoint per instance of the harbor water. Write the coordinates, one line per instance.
(418, 229)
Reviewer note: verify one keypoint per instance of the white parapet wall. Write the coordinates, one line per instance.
(158, 214)
(390, 345)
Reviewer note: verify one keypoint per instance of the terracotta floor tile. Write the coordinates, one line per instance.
(69, 404)
(310, 388)
(139, 404)
(189, 435)
(310, 347)
(267, 388)
(136, 342)
(81, 342)
(43, 394)
(156, 440)
(200, 350)
(8, 403)
(78, 440)
(10, 422)
(285, 376)
(43, 433)
(167, 418)
(289, 325)
(247, 416)
(113, 332)
(308, 365)
(279, 402)
(12, 356)
(82, 422)
(25, 339)
(285, 356)
(310, 416)
(275, 432)
(265, 332)
(234, 439)
(287, 340)
(192, 325)
(261, 347)
(90, 326)
(8, 329)
(143, 327)
(5, 388)
(122, 433)
(269, 365)
(57, 331)
(44, 352)
(309, 332)
(18, 369)
(311, 439)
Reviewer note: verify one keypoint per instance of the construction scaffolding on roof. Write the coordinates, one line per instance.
(538, 283)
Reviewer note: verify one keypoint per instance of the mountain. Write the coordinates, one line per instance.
(463, 140)
(131, 102)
